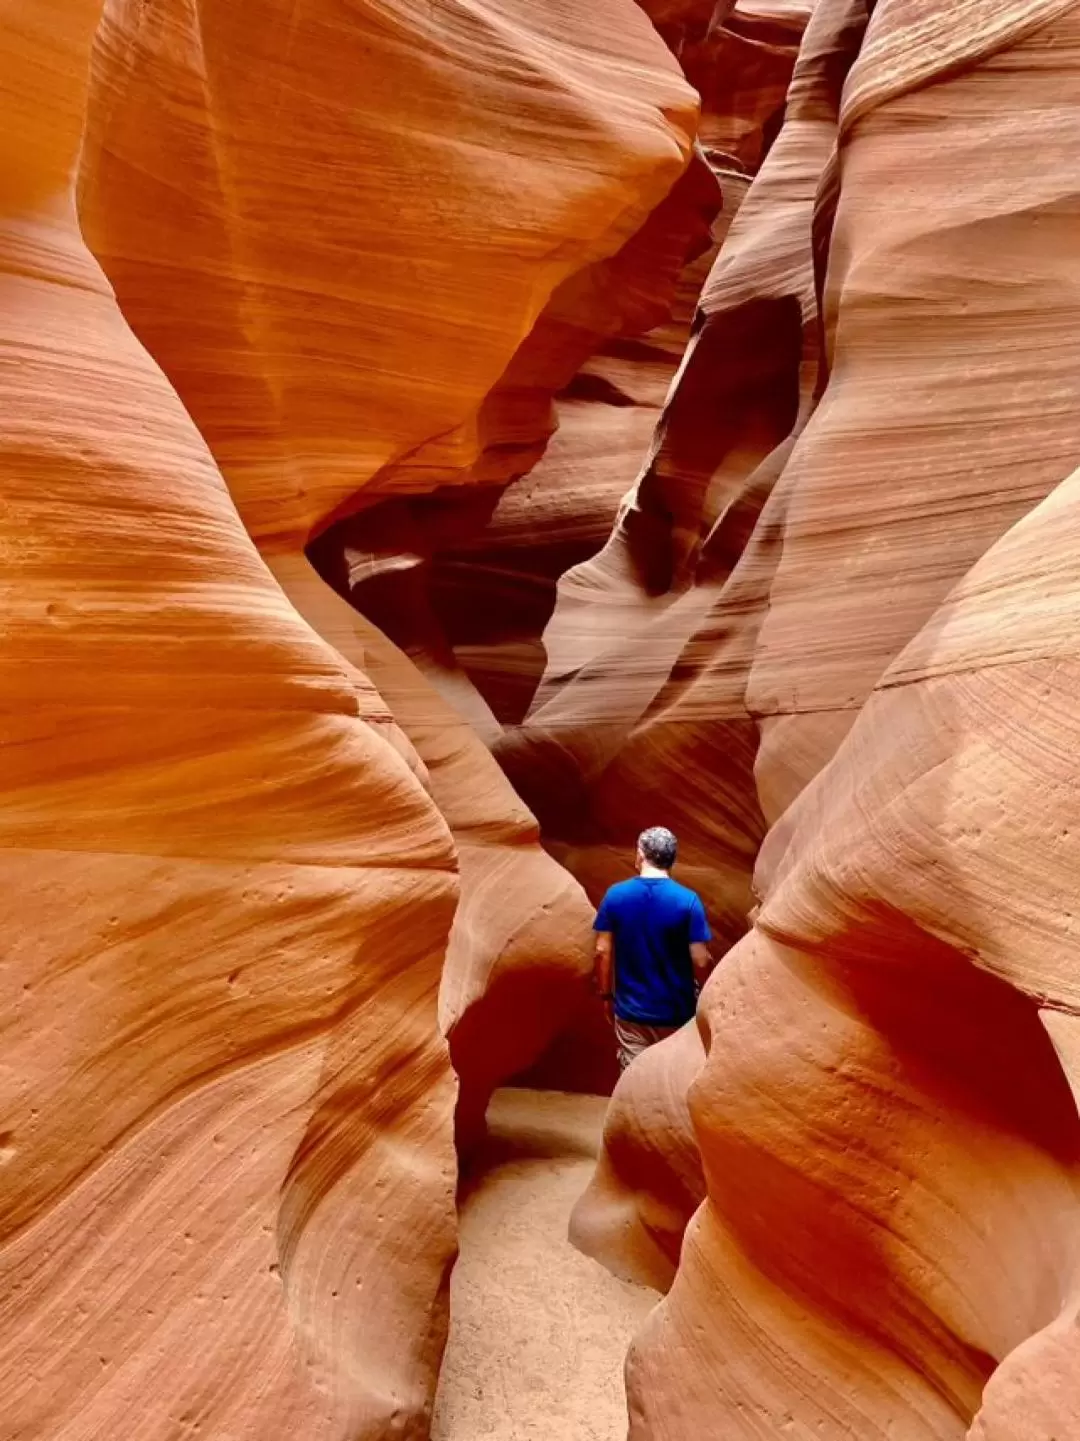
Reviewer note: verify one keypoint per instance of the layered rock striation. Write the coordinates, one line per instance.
(262, 267)
(227, 905)
(294, 299)
(652, 644)
(321, 368)
(886, 1114)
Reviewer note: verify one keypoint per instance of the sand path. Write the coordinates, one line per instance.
(538, 1333)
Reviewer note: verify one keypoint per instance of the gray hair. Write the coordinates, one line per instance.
(659, 847)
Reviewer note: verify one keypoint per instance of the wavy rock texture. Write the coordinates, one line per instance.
(368, 263)
(739, 58)
(707, 520)
(226, 906)
(366, 246)
(887, 1112)
(494, 592)
(860, 520)
(227, 1149)
(398, 350)
(520, 948)
(467, 584)
(499, 588)
(493, 589)
(648, 1180)
(606, 741)
(464, 580)
(890, 1237)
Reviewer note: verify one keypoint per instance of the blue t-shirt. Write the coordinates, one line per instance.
(653, 921)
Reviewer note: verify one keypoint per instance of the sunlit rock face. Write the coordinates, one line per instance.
(227, 901)
(885, 1115)
(388, 300)
(467, 583)
(396, 471)
(259, 264)
(641, 709)
(644, 708)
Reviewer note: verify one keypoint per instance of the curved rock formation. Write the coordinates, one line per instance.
(887, 1115)
(244, 824)
(707, 518)
(568, 501)
(520, 949)
(890, 1139)
(367, 265)
(905, 298)
(469, 582)
(227, 1140)
(396, 349)
(739, 58)
(649, 1180)
(605, 742)
(227, 902)
(464, 579)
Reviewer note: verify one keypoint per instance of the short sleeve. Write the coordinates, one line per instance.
(699, 925)
(603, 920)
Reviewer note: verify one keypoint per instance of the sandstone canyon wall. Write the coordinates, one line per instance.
(310, 608)
(386, 303)
(238, 820)
(885, 1113)
(227, 900)
(593, 752)
(661, 671)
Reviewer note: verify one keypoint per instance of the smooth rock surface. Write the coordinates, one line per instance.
(708, 518)
(606, 741)
(227, 899)
(519, 958)
(226, 1145)
(398, 359)
(375, 206)
(299, 291)
(886, 1116)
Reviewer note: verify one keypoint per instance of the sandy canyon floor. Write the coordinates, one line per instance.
(539, 1332)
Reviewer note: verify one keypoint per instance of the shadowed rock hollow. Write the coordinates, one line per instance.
(438, 439)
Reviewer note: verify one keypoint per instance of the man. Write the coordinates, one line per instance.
(650, 949)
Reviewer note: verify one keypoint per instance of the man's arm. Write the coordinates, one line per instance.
(604, 956)
(699, 936)
(604, 968)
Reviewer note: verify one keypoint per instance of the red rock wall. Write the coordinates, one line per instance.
(386, 314)
(711, 507)
(613, 728)
(226, 905)
(368, 261)
(592, 754)
(233, 848)
(830, 640)
(479, 588)
(886, 1116)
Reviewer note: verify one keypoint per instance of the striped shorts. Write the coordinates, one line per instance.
(631, 1038)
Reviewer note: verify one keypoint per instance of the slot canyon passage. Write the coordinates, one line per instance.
(439, 439)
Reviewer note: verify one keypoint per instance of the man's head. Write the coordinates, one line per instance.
(657, 847)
